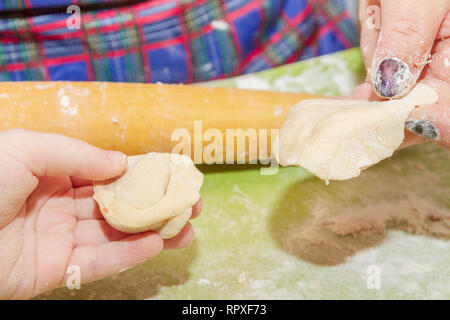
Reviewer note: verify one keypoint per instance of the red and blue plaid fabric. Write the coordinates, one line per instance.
(171, 41)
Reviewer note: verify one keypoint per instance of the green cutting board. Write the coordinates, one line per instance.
(241, 247)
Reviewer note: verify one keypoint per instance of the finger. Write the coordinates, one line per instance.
(362, 92)
(197, 208)
(444, 31)
(102, 260)
(78, 182)
(57, 155)
(408, 31)
(431, 122)
(441, 87)
(85, 205)
(439, 68)
(370, 22)
(411, 139)
(181, 240)
(96, 231)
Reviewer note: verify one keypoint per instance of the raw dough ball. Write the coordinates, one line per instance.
(156, 192)
(336, 139)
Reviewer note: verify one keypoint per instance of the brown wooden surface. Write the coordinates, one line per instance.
(137, 118)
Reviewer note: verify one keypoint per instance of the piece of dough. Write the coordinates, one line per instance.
(156, 192)
(336, 139)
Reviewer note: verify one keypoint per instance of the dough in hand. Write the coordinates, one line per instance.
(156, 192)
(336, 139)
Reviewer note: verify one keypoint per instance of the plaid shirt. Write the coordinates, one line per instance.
(171, 41)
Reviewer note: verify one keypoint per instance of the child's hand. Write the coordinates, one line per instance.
(411, 45)
(49, 220)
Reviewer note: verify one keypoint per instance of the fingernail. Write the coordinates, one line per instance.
(423, 128)
(393, 78)
(117, 157)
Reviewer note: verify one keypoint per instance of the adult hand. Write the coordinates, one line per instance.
(411, 44)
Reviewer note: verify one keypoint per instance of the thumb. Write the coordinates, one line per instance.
(56, 155)
(408, 32)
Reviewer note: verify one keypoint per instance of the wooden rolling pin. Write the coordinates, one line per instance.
(140, 118)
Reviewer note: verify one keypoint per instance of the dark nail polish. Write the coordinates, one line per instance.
(392, 78)
(423, 128)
